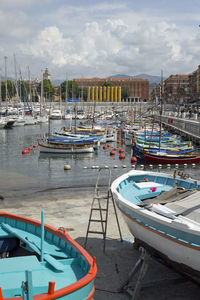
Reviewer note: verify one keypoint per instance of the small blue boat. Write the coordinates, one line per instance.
(40, 262)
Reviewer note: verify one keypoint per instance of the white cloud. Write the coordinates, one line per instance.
(97, 38)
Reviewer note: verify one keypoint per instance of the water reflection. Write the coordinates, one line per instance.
(67, 156)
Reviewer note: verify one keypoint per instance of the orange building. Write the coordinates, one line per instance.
(138, 88)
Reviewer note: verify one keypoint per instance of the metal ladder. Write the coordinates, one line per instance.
(100, 204)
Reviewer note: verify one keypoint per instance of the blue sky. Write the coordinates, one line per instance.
(99, 38)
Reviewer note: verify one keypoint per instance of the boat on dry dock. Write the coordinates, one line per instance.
(162, 212)
(41, 262)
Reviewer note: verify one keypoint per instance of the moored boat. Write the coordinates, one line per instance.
(41, 262)
(161, 157)
(162, 211)
(65, 148)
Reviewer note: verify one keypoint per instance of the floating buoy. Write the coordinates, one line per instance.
(133, 159)
(122, 156)
(25, 151)
(124, 166)
(118, 142)
(30, 148)
(176, 166)
(121, 150)
(123, 141)
(42, 139)
(34, 146)
(115, 149)
(151, 166)
(141, 167)
(133, 166)
(185, 165)
(193, 165)
(160, 166)
(115, 166)
(112, 152)
(108, 145)
(104, 147)
(67, 167)
(168, 166)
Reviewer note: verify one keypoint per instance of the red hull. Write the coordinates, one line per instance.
(171, 160)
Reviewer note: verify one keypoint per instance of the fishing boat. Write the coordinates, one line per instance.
(162, 212)
(166, 158)
(41, 262)
(45, 146)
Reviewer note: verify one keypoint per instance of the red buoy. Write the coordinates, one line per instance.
(118, 142)
(123, 141)
(133, 159)
(115, 149)
(42, 139)
(112, 152)
(104, 147)
(25, 151)
(30, 148)
(34, 146)
(108, 145)
(122, 156)
(121, 150)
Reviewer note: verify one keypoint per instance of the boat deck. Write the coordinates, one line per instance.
(188, 207)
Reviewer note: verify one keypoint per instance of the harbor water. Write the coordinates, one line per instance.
(26, 177)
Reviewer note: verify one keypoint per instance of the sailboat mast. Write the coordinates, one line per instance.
(161, 108)
(5, 57)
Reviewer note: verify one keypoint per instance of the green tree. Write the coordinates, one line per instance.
(48, 90)
(125, 92)
(107, 83)
(70, 89)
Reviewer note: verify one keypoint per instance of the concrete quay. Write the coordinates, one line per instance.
(72, 213)
(187, 128)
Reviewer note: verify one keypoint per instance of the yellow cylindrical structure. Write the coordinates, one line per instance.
(97, 94)
(104, 93)
(100, 94)
(112, 93)
(108, 94)
(88, 94)
(115, 93)
(119, 94)
(93, 94)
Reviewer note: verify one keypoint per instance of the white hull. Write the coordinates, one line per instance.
(174, 251)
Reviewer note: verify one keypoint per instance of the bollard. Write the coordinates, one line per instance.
(151, 166)
(168, 166)
(193, 165)
(141, 167)
(176, 166)
(185, 166)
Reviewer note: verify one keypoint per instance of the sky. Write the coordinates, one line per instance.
(97, 38)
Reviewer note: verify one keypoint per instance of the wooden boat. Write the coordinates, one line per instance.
(162, 212)
(65, 148)
(41, 262)
(161, 157)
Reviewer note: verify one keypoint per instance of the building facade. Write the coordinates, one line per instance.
(138, 89)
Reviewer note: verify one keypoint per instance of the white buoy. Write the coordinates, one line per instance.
(115, 166)
(151, 166)
(176, 166)
(106, 167)
(133, 166)
(168, 166)
(85, 167)
(185, 166)
(160, 166)
(124, 166)
(142, 167)
(193, 165)
(67, 167)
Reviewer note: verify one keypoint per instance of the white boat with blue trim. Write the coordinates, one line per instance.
(163, 212)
